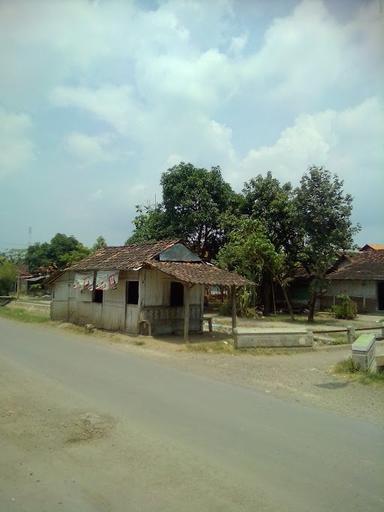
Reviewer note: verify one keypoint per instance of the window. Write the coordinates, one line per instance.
(132, 292)
(97, 296)
(177, 294)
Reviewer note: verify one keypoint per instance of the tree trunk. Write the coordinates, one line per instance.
(266, 293)
(288, 301)
(312, 304)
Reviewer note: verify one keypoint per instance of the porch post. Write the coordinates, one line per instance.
(233, 299)
(186, 313)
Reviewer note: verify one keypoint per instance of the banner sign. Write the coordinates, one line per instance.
(84, 281)
(107, 280)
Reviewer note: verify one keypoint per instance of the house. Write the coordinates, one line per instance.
(153, 287)
(360, 276)
(372, 247)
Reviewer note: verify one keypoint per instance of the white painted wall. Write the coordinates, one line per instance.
(74, 305)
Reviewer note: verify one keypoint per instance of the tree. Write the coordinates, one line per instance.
(323, 213)
(8, 274)
(60, 252)
(16, 256)
(194, 200)
(150, 224)
(265, 199)
(99, 244)
(250, 252)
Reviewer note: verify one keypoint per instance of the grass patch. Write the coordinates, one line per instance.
(211, 347)
(227, 347)
(338, 339)
(23, 315)
(349, 368)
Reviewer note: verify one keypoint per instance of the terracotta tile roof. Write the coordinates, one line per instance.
(367, 265)
(134, 256)
(199, 273)
(125, 257)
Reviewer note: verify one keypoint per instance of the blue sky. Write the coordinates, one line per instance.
(98, 98)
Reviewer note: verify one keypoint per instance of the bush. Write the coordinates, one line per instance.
(8, 275)
(346, 309)
(243, 305)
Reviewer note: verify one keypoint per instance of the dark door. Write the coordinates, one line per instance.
(380, 295)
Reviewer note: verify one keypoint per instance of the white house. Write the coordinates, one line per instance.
(155, 287)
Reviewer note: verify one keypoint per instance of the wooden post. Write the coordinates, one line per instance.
(351, 334)
(186, 313)
(18, 285)
(233, 299)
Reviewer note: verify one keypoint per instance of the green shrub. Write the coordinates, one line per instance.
(346, 308)
(8, 273)
(244, 306)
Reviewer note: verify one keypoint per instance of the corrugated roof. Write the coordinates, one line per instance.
(125, 257)
(199, 273)
(367, 265)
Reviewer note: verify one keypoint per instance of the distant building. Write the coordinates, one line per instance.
(360, 276)
(372, 247)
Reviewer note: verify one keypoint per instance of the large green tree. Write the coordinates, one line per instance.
(270, 202)
(194, 200)
(323, 213)
(61, 251)
(250, 252)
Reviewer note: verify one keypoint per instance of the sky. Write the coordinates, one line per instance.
(98, 98)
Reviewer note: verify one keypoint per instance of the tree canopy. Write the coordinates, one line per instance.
(323, 216)
(193, 202)
(8, 273)
(99, 244)
(264, 233)
(60, 252)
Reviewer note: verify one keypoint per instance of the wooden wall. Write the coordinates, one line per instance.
(76, 306)
(364, 293)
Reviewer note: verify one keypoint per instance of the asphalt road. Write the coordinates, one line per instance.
(167, 440)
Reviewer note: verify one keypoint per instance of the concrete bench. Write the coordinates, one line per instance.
(363, 351)
(287, 337)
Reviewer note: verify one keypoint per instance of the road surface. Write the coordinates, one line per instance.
(86, 426)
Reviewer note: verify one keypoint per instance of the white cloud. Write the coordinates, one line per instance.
(347, 142)
(89, 149)
(115, 105)
(195, 81)
(16, 148)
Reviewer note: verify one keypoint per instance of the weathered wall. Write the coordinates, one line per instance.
(364, 293)
(76, 306)
(155, 304)
(272, 337)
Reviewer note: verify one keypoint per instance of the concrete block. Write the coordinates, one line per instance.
(363, 351)
(272, 338)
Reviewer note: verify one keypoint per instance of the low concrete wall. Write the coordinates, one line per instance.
(245, 337)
